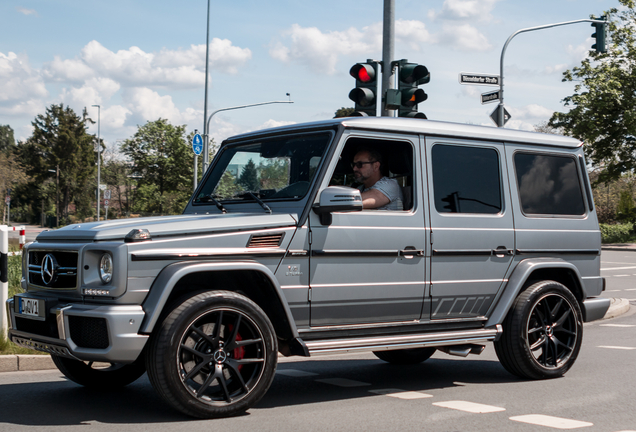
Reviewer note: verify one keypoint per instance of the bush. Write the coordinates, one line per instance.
(619, 233)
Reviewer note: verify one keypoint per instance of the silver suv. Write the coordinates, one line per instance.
(497, 241)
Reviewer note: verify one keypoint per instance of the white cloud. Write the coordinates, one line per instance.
(26, 11)
(464, 10)
(320, 51)
(147, 105)
(525, 118)
(464, 37)
(274, 123)
(21, 87)
(135, 67)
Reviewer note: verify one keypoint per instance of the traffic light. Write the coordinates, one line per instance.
(599, 35)
(365, 93)
(406, 97)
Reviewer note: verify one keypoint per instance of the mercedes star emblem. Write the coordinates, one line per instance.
(49, 268)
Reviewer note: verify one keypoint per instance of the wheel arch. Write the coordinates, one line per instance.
(251, 279)
(533, 270)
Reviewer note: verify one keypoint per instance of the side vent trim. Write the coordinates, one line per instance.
(265, 240)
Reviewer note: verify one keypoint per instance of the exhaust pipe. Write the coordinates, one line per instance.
(463, 350)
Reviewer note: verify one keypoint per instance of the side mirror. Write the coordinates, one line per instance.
(337, 199)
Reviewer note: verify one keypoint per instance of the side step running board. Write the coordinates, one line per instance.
(380, 343)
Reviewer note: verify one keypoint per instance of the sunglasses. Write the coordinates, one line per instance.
(360, 164)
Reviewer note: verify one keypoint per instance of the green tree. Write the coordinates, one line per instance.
(60, 139)
(625, 211)
(344, 112)
(7, 141)
(274, 173)
(603, 107)
(162, 162)
(249, 177)
(227, 186)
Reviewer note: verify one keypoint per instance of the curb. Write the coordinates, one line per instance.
(23, 362)
(619, 248)
(617, 308)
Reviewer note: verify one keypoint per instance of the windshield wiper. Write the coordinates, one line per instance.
(210, 198)
(258, 200)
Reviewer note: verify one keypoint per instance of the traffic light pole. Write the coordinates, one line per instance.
(500, 117)
(388, 48)
(206, 139)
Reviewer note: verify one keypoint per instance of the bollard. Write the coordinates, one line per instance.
(4, 278)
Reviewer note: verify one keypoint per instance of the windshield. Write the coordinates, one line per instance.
(280, 168)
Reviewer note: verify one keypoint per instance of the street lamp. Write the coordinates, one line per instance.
(57, 194)
(206, 138)
(99, 157)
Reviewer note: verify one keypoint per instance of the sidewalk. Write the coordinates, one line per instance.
(626, 247)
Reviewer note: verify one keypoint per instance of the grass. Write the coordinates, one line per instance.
(15, 273)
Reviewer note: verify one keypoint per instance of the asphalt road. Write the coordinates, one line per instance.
(362, 393)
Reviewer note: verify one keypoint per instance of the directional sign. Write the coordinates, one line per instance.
(197, 144)
(478, 79)
(489, 97)
(495, 115)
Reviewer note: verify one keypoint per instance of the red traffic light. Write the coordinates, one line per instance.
(363, 72)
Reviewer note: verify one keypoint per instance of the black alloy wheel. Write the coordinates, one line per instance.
(542, 332)
(215, 355)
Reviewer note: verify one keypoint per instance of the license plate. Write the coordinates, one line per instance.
(30, 307)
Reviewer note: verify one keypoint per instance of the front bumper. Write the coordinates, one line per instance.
(82, 332)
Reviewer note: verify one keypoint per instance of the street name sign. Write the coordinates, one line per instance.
(490, 97)
(478, 79)
(495, 115)
(197, 144)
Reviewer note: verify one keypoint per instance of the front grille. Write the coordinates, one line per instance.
(88, 332)
(265, 240)
(65, 270)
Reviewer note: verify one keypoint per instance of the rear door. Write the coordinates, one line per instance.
(471, 225)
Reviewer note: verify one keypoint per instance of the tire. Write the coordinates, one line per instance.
(405, 356)
(213, 356)
(542, 332)
(93, 375)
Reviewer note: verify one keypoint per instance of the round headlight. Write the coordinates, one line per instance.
(106, 268)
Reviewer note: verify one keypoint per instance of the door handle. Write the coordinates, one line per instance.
(410, 252)
(502, 251)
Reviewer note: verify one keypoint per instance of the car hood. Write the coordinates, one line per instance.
(167, 226)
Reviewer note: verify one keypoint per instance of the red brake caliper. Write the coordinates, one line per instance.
(238, 353)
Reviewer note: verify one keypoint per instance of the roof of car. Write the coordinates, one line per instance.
(429, 128)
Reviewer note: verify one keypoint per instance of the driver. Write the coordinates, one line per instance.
(378, 192)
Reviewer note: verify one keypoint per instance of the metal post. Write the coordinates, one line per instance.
(207, 124)
(4, 279)
(206, 156)
(57, 196)
(388, 49)
(99, 157)
(500, 117)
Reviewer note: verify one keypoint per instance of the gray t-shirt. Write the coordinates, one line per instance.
(390, 189)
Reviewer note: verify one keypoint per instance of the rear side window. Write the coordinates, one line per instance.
(548, 185)
(466, 179)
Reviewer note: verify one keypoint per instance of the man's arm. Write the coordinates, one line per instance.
(373, 198)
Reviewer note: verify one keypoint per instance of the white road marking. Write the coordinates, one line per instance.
(630, 289)
(618, 268)
(470, 407)
(617, 347)
(401, 394)
(621, 276)
(343, 382)
(612, 290)
(617, 325)
(294, 373)
(549, 421)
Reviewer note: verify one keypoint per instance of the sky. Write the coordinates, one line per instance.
(142, 60)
